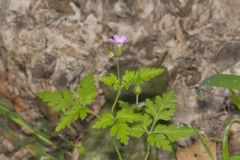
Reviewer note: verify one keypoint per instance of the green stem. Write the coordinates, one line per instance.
(148, 149)
(148, 146)
(119, 87)
(137, 96)
(116, 99)
(95, 114)
(117, 149)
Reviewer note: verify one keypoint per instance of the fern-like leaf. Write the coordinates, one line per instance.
(56, 100)
(126, 115)
(87, 90)
(140, 76)
(68, 117)
(162, 108)
(163, 136)
(110, 80)
(139, 129)
(121, 131)
(145, 74)
(104, 121)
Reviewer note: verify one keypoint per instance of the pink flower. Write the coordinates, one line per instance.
(119, 40)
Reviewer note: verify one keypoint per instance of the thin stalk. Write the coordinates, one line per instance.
(119, 85)
(117, 149)
(137, 96)
(148, 149)
(116, 99)
(95, 114)
(148, 146)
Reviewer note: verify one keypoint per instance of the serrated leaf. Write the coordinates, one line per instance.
(104, 121)
(56, 100)
(160, 141)
(145, 74)
(123, 104)
(162, 108)
(87, 90)
(68, 117)
(173, 132)
(140, 76)
(121, 131)
(163, 136)
(110, 80)
(139, 129)
(229, 81)
(127, 115)
(128, 79)
(83, 112)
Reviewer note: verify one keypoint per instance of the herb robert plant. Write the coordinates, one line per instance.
(124, 120)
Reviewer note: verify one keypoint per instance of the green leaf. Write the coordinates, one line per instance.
(229, 81)
(87, 90)
(163, 136)
(126, 115)
(110, 80)
(233, 158)
(162, 108)
(235, 98)
(128, 79)
(173, 132)
(121, 131)
(104, 121)
(139, 129)
(56, 100)
(123, 104)
(145, 74)
(71, 115)
(160, 141)
(140, 76)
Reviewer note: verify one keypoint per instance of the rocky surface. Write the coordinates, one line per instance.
(51, 44)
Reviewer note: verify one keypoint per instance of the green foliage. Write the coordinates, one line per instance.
(139, 129)
(233, 158)
(71, 115)
(104, 121)
(162, 108)
(74, 106)
(120, 125)
(56, 100)
(229, 81)
(163, 136)
(140, 76)
(110, 80)
(121, 131)
(87, 90)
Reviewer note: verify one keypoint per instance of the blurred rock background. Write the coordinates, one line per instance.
(52, 44)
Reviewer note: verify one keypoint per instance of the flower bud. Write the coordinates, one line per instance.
(138, 90)
(110, 54)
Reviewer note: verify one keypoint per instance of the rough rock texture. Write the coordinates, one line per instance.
(49, 44)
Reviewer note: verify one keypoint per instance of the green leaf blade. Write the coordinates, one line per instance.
(104, 121)
(229, 81)
(127, 115)
(68, 117)
(87, 90)
(121, 131)
(110, 80)
(162, 108)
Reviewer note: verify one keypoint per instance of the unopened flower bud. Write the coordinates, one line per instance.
(138, 90)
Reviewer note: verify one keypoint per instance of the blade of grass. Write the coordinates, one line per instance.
(233, 158)
(204, 143)
(235, 98)
(225, 148)
(15, 118)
